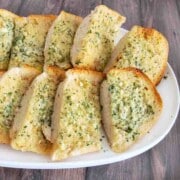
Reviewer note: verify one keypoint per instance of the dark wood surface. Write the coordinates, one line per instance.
(161, 162)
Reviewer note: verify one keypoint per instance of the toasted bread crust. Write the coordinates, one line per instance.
(51, 17)
(55, 72)
(1, 73)
(26, 67)
(90, 74)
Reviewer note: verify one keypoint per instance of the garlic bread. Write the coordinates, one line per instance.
(60, 39)
(6, 37)
(94, 39)
(29, 40)
(76, 117)
(13, 85)
(131, 106)
(142, 48)
(31, 130)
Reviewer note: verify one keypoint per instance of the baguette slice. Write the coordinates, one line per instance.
(131, 106)
(94, 39)
(32, 123)
(60, 39)
(29, 41)
(13, 85)
(142, 48)
(76, 117)
(6, 37)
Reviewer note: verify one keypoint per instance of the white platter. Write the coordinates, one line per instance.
(169, 91)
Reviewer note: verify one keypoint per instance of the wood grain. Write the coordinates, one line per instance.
(40, 7)
(80, 7)
(17, 174)
(163, 161)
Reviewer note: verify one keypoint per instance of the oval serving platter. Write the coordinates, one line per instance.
(169, 91)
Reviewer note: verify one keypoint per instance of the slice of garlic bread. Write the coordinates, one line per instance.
(29, 40)
(142, 48)
(131, 106)
(13, 85)
(32, 123)
(94, 39)
(76, 117)
(60, 39)
(6, 37)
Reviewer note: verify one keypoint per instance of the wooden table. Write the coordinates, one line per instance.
(161, 162)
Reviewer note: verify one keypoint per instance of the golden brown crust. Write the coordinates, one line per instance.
(4, 138)
(47, 18)
(20, 20)
(55, 72)
(40, 16)
(26, 66)
(82, 71)
(1, 73)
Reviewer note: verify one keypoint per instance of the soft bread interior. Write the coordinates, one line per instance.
(28, 43)
(95, 38)
(66, 138)
(6, 37)
(33, 121)
(131, 106)
(142, 48)
(13, 85)
(59, 40)
(106, 110)
(80, 33)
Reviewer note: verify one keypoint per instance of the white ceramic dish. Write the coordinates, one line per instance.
(169, 91)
